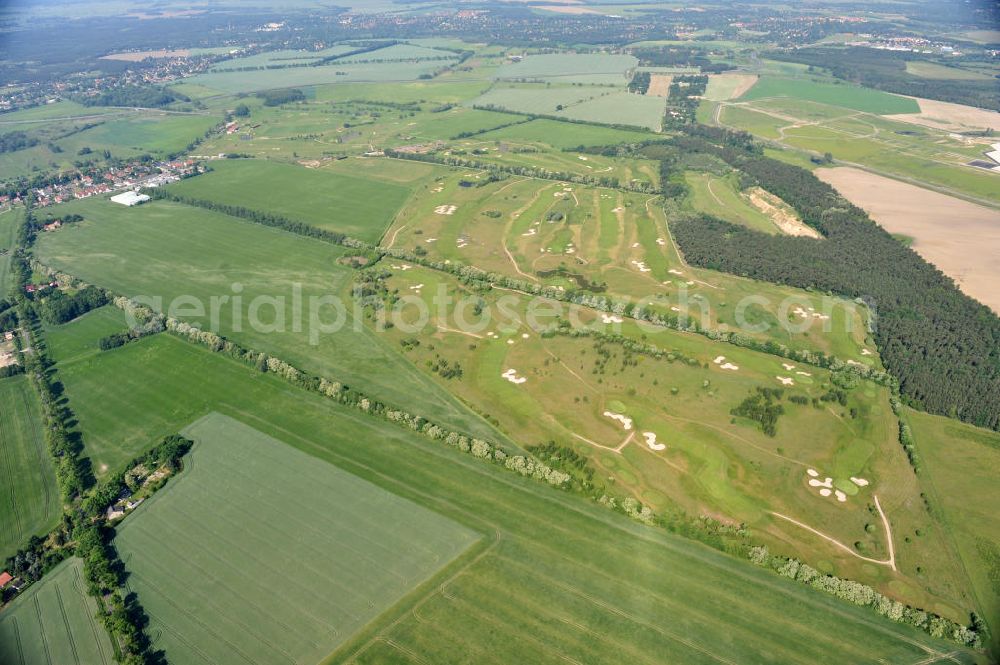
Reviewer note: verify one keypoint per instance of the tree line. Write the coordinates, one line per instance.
(942, 346)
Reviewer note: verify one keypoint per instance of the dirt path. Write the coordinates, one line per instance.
(891, 561)
(392, 240)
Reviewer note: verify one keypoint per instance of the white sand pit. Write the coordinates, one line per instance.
(729, 366)
(581, 157)
(788, 366)
(786, 380)
(690, 282)
(651, 441)
(719, 359)
(798, 311)
(801, 373)
(675, 309)
(635, 245)
(532, 231)
(641, 266)
(611, 318)
(825, 492)
(860, 482)
(675, 271)
(841, 497)
(446, 209)
(510, 341)
(812, 472)
(827, 483)
(661, 242)
(623, 419)
(437, 190)
(525, 335)
(511, 375)
(618, 209)
(416, 287)
(430, 240)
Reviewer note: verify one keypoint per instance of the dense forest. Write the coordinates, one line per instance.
(886, 70)
(133, 95)
(941, 345)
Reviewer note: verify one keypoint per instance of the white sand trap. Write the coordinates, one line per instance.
(635, 245)
(611, 318)
(641, 266)
(860, 482)
(525, 335)
(675, 271)
(828, 483)
(812, 472)
(531, 232)
(416, 287)
(865, 352)
(581, 157)
(446, 209)
(675, 309)
(853, 362)
(729, 366)
(718, 360)
(651, 441)
(824, 492)
(511, 375)
(798, 311)
(661, 242)
(623, 419)
(788, 366)
(570, 250)
(689, 283)
(430, 240)
(840, 496)
(801, 373)
(510, 341)
(786, 380)
(558, 193)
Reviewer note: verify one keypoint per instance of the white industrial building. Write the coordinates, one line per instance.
(130, 198)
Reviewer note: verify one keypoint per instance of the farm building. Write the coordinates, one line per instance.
(130, 198)
(5, 579)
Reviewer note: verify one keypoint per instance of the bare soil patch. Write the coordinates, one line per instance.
(950, 117)
(659, 85)
(780, 213)
(962, 239)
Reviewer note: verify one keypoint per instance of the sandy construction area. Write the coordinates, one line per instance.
(950, 117)
(960, 238)
(659, 85)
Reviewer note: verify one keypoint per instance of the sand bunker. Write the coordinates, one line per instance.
(801, 373)
(812, 472)
(725, 365)
(788, 366)
(661, 242)
(828, 483)
(511, 375)
(611, 318)
(840, 496)
(651, 441)
(641, 266)
(962, 239)
(786, 380)
(825, 492)
(446, 210)
(860, 482)
(865, 352)
(623, 419)
(675, 271)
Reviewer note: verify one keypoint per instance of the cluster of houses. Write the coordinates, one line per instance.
(115, 178)
(123, 505)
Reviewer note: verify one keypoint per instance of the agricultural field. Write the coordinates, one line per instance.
(836, 94)
(958, 237)
(586, 103)
(29, 502)
(54, 623)
(593, 68)
(561, 135)
(356, 207)
(248, 503)
(188, 256)
(959, 463)
(79, 339)
(613, 243)
(550, 566)
(9, 221)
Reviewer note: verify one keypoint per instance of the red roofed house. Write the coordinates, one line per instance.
(5, 579)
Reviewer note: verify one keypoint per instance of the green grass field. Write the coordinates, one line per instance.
(720, 197)
(207, 555)
(9, 222)
(571, 68)
(560, 135)
(552, 572)
(357, 207)
(54, 623)
(847, 96)
(29, 499)
(79, 339)
(959, 470)
(588, 103)
(167, 250)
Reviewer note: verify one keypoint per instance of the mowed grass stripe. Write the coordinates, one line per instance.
(53, 623)
(29, 501)
(360, 208)
(216, 542)
(645, 581)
